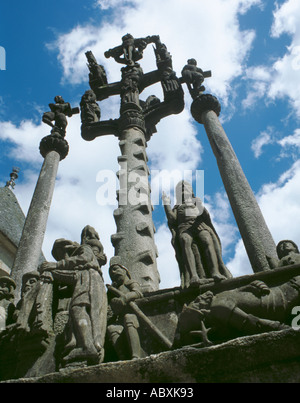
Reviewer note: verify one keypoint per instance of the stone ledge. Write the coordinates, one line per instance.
(266, 358)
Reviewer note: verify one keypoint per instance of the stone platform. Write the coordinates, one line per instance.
(266, 358)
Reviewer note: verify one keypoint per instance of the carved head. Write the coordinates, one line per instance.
(184, 190)
(59, 99)
(88, 233)
(29, 280)
(89, 236)
(285, 247)
(7, 288)
(89, 96)
(193, 62)
(118, 274)
(62, 248)
(127, 36)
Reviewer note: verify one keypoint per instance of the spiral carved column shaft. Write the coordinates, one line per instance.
(134, 240)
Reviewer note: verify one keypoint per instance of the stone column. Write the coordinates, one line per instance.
(134, 241)
(256, 236)
(53, 148)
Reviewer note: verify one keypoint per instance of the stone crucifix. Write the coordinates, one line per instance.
(134, 241)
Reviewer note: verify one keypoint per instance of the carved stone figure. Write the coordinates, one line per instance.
(193, 76)
(97, 76)
(254, 308)
(90, 110)
(7, 307)
(25, 309)
(170, 83)
(131, 77)
(58, 113)
(163, 56)
(288, 253)
(196, 243)
(78, 266)
(123, 291)
(131, 49)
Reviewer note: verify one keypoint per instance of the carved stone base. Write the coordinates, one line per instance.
(266, 358)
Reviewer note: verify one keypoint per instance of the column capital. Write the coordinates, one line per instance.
(131, 116)
(204, 103)
(54, 142)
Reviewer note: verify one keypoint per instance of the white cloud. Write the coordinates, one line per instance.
(280, 78)
(286, 18)
(166, 262)
(279, 203)
(107, 4)
(292, 140)
(259, 78)
(259, 142)
(223, 221)
(290, 146)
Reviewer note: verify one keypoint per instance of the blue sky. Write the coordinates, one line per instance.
(253, 50)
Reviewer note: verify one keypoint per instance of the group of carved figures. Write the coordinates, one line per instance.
(134, 81)
(74, 284)
(73, 287)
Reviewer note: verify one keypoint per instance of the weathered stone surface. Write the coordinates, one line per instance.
(252, 359)
(197, 245)
(29, 251)
(134, 127)
(256, 236)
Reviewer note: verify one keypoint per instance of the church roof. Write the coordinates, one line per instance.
(12, 217)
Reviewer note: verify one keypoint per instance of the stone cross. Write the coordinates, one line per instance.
(53, 148)
(134, 241)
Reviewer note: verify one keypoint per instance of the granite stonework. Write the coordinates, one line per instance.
(251, 359)
(60, 323)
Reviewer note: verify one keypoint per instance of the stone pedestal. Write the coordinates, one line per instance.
(256, 236)
(266, 358)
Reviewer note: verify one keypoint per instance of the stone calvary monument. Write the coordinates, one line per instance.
(61, 323)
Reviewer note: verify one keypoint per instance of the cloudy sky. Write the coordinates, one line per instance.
(252, 48)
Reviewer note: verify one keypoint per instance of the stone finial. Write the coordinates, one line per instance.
(13, 176)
